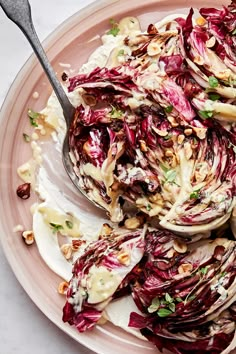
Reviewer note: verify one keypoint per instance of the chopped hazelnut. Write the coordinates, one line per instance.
(180, 247)
(63, 287)
(76, 244)
(188, 131)
(124, 257)
(180, 139)
(185, 268)
(23, 191)
(201, 21)
(169, 153)
(132, 223)
(106, 230)
(153, 49)
(66, 250)
(28, 237)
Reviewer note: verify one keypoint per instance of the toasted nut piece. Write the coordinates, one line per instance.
(124, 257)
(180, 247)
(28, 237)
(188, 131)
(156, 198)
(174, 161)
(23, 191)
(160, 132)
(180, 139)
(201, 21)
(64, 76)
(153, 49)
(143, 146)
(211, 42)
(63, 287)
(185, 268)
(188, 150)
(169, 153)
(173, 121)
(66, 250)
(106, 230)
(132, 223)
(170, 253)
(76, 244)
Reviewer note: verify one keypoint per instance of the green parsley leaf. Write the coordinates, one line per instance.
(154, 305)
(26, 138)
(191, 298)
(234, 32)
(69, 224)
(213, 81)
(167, 137)
(178, 299)
(164, 312)
(149, 207)
(169, 109)
(203, 270)
(33, 116)
(195, 194)
(121, 52)
(168, 298)
(116, 113)
(114, 29)
(223, 274)
(214, 96)
(205, 114)
(55, 227)
(172, 306)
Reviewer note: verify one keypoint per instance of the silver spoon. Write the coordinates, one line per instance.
(19, 12)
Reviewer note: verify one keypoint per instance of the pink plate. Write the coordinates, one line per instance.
(71, 43)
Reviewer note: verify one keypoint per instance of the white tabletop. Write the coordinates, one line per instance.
(23, 328)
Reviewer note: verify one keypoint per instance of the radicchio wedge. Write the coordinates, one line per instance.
(189, 304)
(100, 273)
(152, 130)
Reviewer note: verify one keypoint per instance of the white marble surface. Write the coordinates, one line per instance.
(23, 328)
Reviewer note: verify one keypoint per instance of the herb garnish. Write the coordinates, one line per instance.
(114, 29)
(33, 116)
(154, 305)
(69, 224)
(203, 270)
(206, 114)
(214, 96)
(195, 194)
(26, 137)
(169, 109)
(121, 52)
(116, 113)
(163, 312)
(213, 81)
(55, 227)
(149, 207)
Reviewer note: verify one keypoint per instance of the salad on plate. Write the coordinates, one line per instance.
(153, 142)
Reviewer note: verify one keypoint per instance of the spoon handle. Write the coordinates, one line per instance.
(19, 11)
